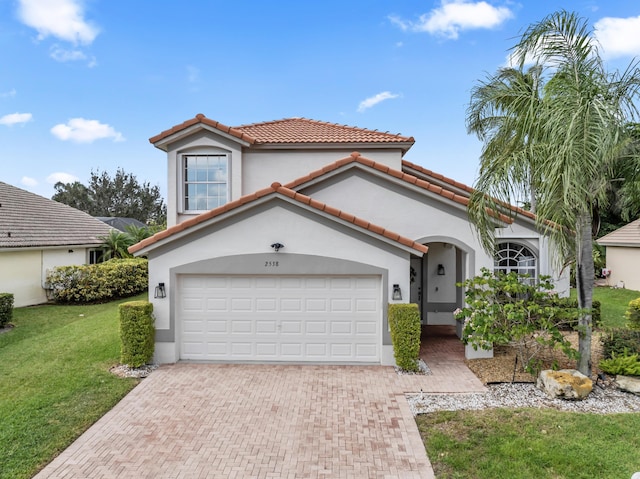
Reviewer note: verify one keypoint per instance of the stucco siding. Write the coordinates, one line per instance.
(306, 237)
(624, 264)
(261, 168)
(21, 276)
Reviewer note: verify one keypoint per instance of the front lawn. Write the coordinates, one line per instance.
(55, 381)
(531, 443)
(613, 304)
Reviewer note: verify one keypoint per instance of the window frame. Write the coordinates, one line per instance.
(184, 182)
(518, 248)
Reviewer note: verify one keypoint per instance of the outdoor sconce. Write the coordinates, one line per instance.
(277, 246)
(397, 293)
(440, 270)
(160, 292)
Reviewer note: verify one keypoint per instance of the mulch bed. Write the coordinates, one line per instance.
(500, 368)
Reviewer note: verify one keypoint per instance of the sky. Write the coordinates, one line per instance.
(85, 84)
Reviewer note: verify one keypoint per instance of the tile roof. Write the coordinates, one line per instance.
(277, 188)
(425, 185)
(30, 220)
(466, 188)
(628, 235)
(293, 131)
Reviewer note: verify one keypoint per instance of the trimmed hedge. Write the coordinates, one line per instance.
(6, 308)
(633, 314)
(137, 333)
(116, 278)
(404, 321)
(620, 342)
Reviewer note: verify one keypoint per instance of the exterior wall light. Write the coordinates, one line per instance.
(160, 292)
(397, 293)
(277, 246)
(440, 270)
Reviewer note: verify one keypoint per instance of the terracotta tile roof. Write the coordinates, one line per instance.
(627, 236)
(425, 185)
(30, 220)
(292, 131)
(277, 188)
(464, 187)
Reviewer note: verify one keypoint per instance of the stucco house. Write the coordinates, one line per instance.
(623, 255)
(37, 234)
(288, 239)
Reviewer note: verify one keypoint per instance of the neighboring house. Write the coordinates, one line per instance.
(37, 234)
(121, 224)
(623, 256)
(283, 244)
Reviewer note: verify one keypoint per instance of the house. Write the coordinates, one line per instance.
(121, 224)
(37, 234)
(623, 255)
(288, 239)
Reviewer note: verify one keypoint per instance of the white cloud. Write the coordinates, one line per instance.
(61, 177)
(454, 16)
(63, 19)
(81, 130)
(15, 118)
(28, 181)
(618, 36)
(8, 94)
(374, 100)
(62, 55)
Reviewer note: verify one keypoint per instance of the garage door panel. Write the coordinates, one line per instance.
(280, 318)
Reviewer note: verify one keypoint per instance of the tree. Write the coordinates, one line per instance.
(580, 136)
(115, 244)
(121, 196)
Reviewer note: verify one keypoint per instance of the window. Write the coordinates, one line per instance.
(96, 256)
(205, 181)
(515, 257)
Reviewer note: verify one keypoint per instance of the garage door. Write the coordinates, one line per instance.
(280, 318)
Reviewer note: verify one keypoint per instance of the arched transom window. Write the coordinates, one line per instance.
(515, 257)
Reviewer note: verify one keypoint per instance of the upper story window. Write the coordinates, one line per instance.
(205, 181)
(515, 257)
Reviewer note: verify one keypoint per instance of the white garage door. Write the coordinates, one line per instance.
(280, 318)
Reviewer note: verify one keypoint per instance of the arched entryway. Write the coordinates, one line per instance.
(434, 278)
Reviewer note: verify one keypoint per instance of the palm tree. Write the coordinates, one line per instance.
(115, 244)
(579, 136)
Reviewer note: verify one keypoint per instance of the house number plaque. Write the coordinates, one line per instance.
(271, 264)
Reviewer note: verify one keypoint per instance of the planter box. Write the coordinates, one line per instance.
(470, 353)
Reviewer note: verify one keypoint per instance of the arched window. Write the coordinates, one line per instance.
(515, 257)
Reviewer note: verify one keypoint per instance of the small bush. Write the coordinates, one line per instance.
(620, 341)
(627, 365)
(6, 308)
(633, 314)
(404, 321)
(570, 323)
(136, 333)
(116, 278)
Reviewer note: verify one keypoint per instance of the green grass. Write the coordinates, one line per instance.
(506, 443)
(55, 381)
(613, 304)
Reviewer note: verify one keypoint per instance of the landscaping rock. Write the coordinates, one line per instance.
(629, 383)
(565, 384)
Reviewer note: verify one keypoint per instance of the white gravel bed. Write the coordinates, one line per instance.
(605, 400)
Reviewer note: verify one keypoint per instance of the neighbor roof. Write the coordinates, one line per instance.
(277, 188)
(30, 220)
(121, 223)
(628, 235)
(293, 131)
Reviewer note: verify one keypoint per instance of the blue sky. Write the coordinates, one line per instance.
(85, 84)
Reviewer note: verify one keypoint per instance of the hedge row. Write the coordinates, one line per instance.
(569, 324)
(116, 278)
(136, 333)
(6, 308)
(404, 321)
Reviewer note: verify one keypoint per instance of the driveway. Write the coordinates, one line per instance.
(259, 421)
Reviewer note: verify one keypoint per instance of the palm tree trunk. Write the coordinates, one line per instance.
(584, 287)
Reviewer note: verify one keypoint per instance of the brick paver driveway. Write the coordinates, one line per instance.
(262, 421)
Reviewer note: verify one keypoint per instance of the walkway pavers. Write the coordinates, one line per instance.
(265, 421)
